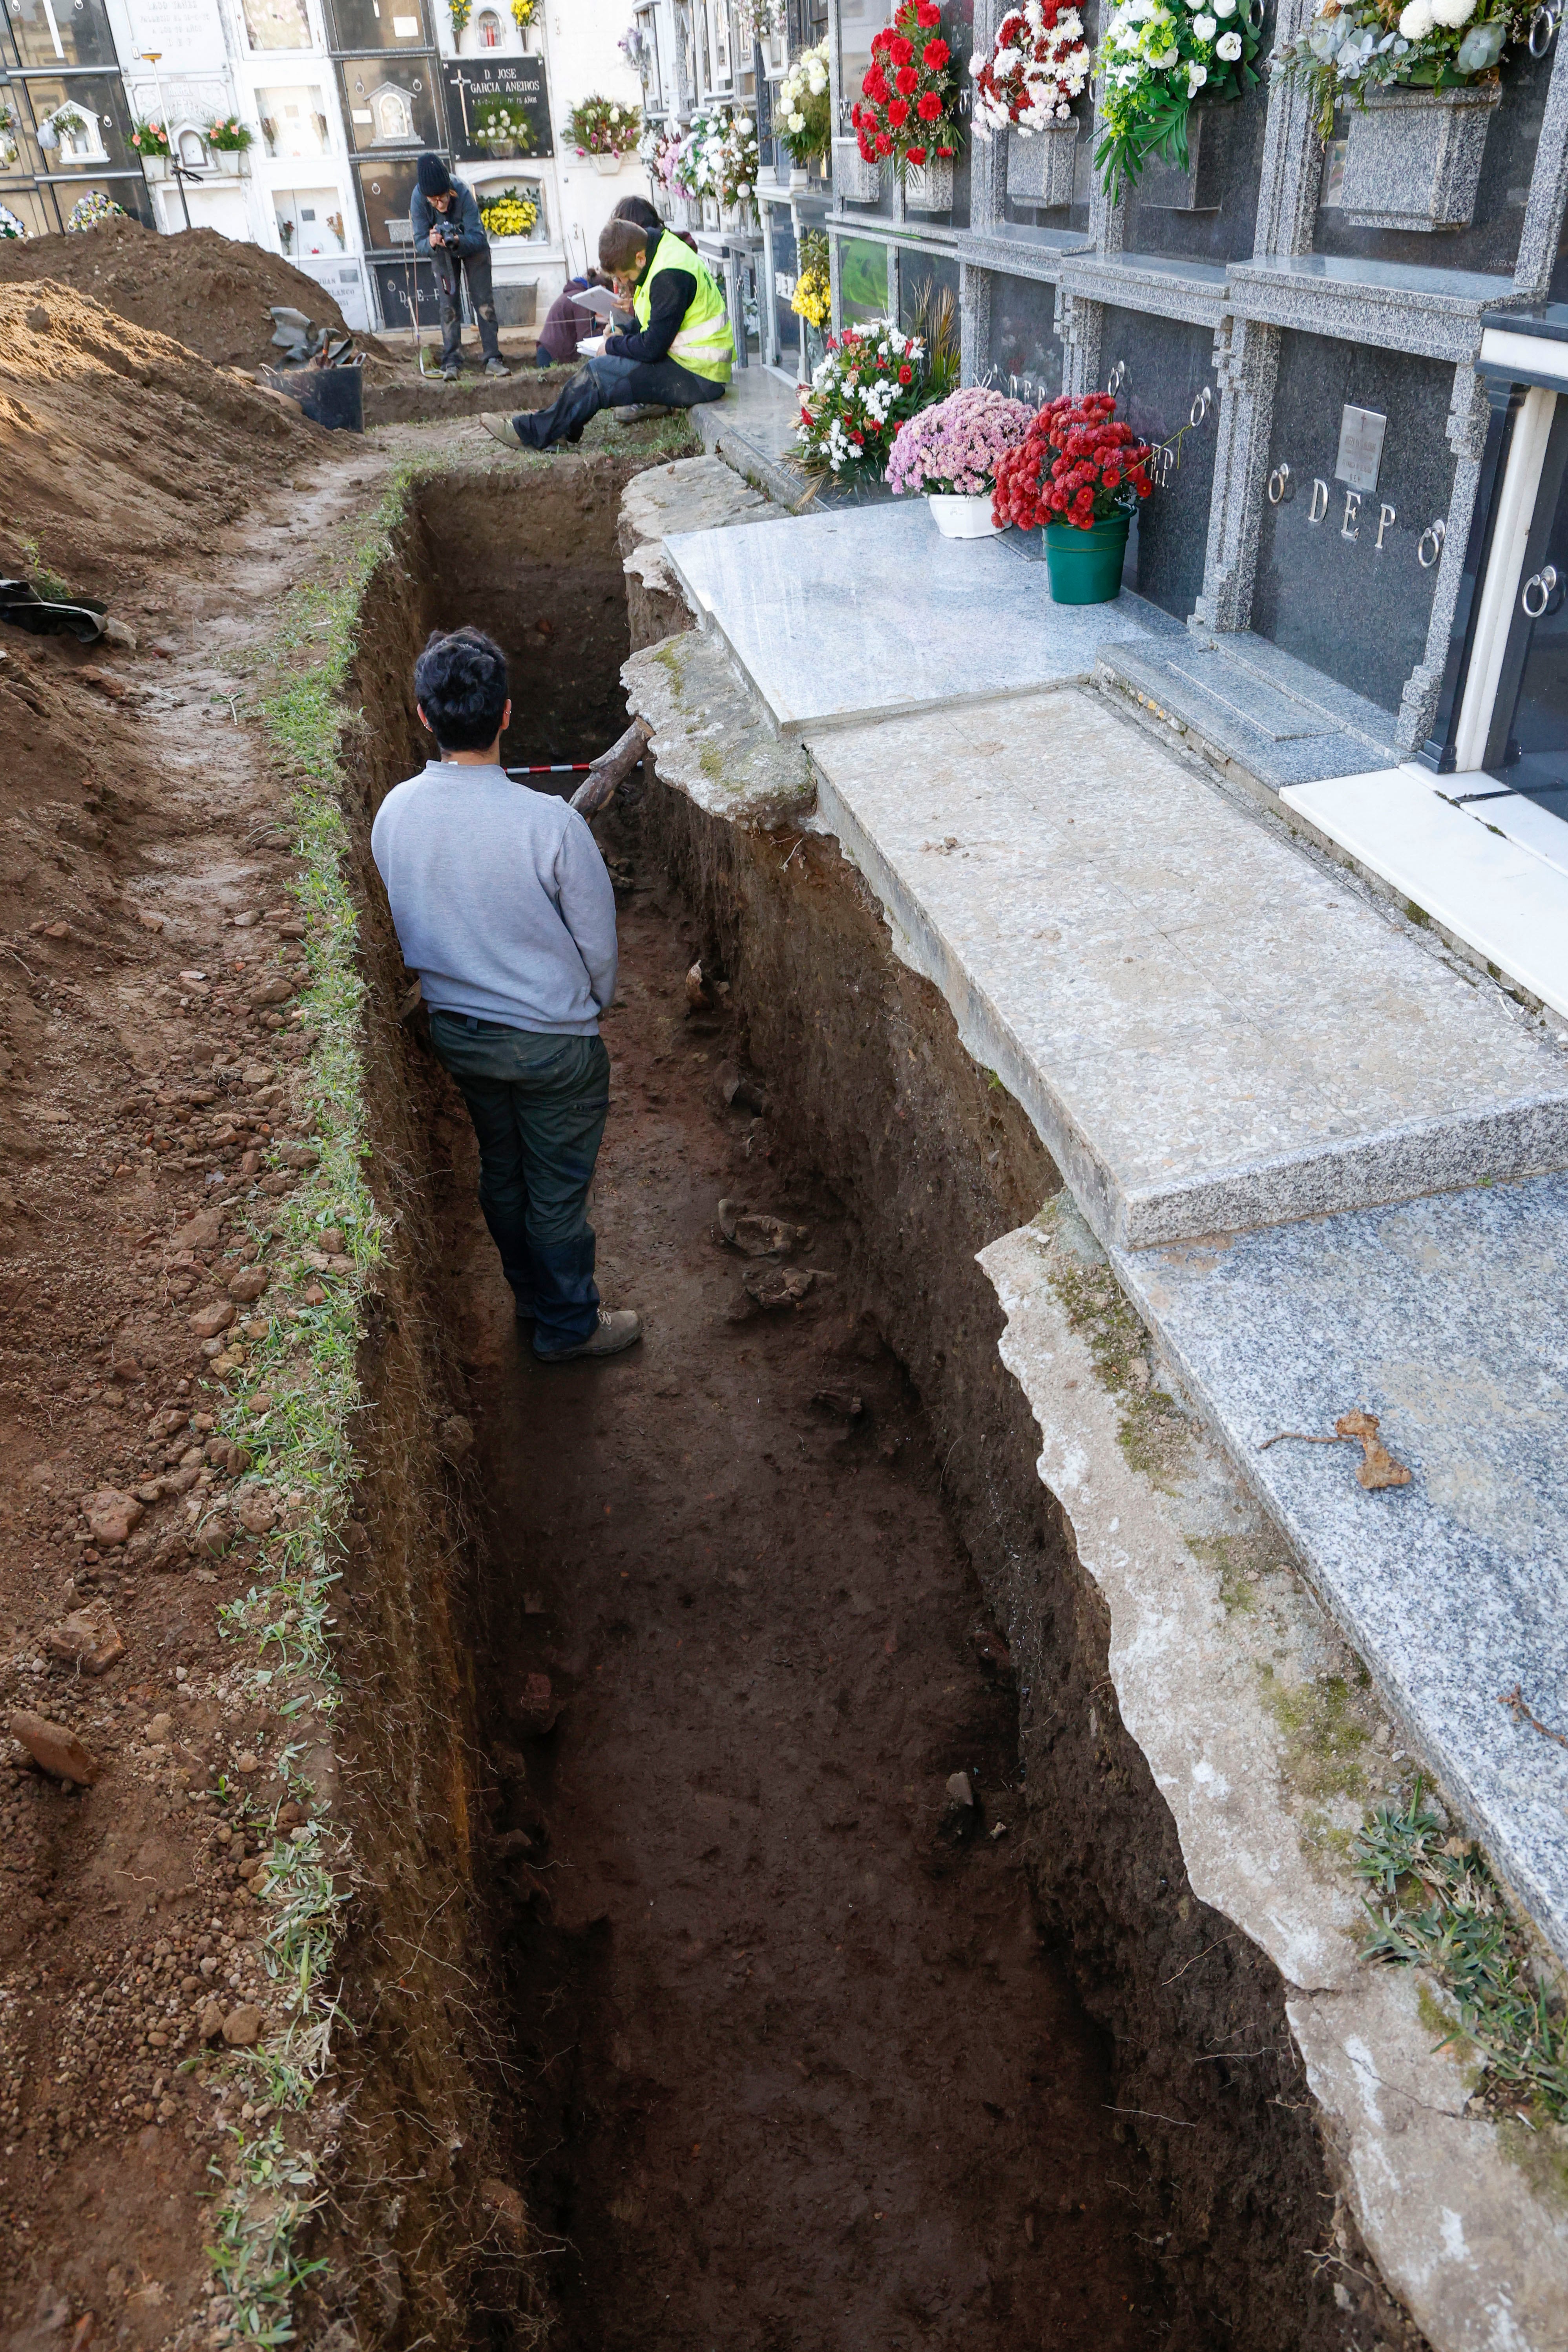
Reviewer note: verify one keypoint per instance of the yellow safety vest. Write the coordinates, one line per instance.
(703, 341)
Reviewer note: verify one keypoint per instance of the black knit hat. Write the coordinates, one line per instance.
(435, 180)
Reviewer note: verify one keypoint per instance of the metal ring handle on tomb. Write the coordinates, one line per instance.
(1437, 532)
(1254, 16)
(1201, 405)
(1281, 485)
(1544, 28)
(1117, 378)
(1546, 582)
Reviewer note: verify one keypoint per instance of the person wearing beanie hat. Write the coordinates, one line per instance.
(448, 229)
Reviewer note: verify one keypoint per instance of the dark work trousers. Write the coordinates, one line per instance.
(538, 1106)
(608, 382)
(476, 266)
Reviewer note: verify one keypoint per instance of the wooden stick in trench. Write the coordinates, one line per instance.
(612, 768)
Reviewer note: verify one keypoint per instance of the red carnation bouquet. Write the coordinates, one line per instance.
(1076, 465)
(908, 106)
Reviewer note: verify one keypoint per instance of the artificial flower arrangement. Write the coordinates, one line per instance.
(10, 227)
(459, 12)
(523, 12)
(908, 106)
(498, 125)
(508, 213)
(719, 158)
(228, 137)
(1152, 61)
(813, 297)
(659, 150)
(1075, 464)
(954, 447)
(803, 108)
(89, 210)
(869, 383)
(1348, 49)
(602, 126)
(151, 139)
(1037, 66)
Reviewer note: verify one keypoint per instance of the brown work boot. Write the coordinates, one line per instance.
(617, 1328)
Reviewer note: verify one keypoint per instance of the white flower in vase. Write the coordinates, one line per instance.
(1228, 47)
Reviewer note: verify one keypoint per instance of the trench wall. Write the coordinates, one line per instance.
(866, 1081)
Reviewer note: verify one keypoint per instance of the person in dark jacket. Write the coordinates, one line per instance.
(678, 354)
(568, 322)
(448, 229)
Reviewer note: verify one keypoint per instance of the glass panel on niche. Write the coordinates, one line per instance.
(277, 24)
(389, 105)
(379, 24)
(31, 211)
(68, 35)
(928, 295)
(386, 190)
(1341, 582)
(88, 112)
(1024, 357)
(1490, 242)
(293, 122)
(1167, 390)
(786, 269)
(862, 280)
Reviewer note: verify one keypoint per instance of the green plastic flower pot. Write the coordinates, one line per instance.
(1085, 566)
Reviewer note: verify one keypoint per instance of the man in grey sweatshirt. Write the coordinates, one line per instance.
(504, 908)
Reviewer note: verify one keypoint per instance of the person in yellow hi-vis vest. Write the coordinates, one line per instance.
(680, 353)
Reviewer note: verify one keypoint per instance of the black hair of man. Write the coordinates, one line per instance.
(639, 210)
(459, 683)
(433, 177)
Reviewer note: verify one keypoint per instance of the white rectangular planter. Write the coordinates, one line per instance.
(233, 161)
(710, 213)
(1413, 158)
(1041, 164)
(854, 180)
(928, 187)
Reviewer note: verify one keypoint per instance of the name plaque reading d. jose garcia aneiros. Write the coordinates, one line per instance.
(477, 87)
(1360, 459)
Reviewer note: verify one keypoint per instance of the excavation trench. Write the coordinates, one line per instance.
(797, 2050)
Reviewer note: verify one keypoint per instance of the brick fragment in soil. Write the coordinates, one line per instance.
(806, 2068)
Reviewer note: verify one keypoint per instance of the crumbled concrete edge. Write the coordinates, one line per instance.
(1218, 1650)
(711, 737)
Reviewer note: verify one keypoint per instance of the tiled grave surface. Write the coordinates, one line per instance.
(871, 613)
(1503, 891)
(1446, 1317)
(1209, 1032)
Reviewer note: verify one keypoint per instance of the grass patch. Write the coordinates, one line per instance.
(1438, 1904)
(291, 1401)
(1150, 1428)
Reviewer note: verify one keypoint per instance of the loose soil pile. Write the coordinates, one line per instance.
(124, 450)
(204, 290)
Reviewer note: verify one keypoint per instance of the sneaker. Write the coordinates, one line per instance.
(451, 374)
(637, 414)
(619, 1327)
(496, 367)
(501, 428)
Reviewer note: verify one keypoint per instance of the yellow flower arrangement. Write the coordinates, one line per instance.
(813, 297)
(522, 12)
(510, 213)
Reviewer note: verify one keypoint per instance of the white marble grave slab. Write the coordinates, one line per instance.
(1504, 893)
(1210, 1032)
(870, 612)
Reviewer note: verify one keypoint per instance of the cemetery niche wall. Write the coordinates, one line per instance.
(1295, 318)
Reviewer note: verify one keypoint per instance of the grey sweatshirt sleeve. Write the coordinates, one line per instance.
(587, 902)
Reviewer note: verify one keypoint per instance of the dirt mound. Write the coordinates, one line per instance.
(205, 290)
(119, 447)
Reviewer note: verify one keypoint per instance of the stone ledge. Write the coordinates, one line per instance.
(710, 741)
(1210, 1622)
